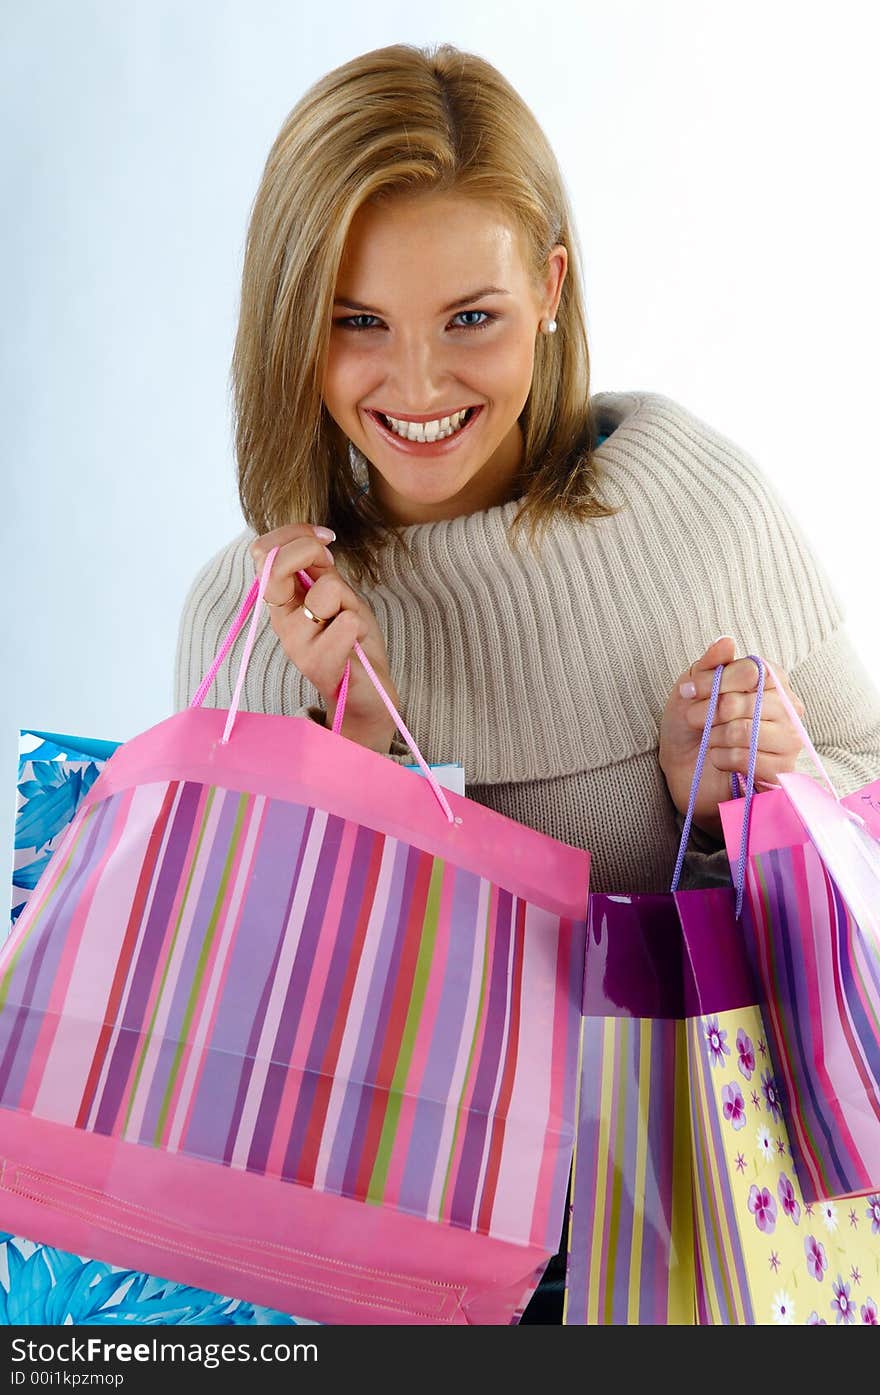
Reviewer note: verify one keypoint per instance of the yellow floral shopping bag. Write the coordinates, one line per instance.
(764, 1254)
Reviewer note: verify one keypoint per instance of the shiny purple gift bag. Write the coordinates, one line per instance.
(631, 1249)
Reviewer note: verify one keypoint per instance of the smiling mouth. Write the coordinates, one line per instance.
(426, 433)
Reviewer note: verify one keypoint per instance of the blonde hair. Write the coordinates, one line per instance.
(397, 120)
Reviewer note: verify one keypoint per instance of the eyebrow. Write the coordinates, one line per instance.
(456, 304)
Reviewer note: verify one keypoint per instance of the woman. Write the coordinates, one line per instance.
(535, 573)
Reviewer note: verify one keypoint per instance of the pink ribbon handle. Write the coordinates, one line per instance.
(801, 730)
(251, 604)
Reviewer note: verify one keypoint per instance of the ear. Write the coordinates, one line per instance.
(557, 266)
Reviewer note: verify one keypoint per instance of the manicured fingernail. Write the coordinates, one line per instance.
(329, 555)
(325, 534)
(719, 639)
(688, 690)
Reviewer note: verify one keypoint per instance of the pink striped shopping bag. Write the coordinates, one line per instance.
(283, 1021)
(811, 913)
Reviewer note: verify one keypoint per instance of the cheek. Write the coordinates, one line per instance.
(345, 377)
(512, 365)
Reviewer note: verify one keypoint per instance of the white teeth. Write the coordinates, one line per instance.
(426, 431)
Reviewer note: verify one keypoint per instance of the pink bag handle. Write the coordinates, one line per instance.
(801, 730)
(251, 603)
(735, 783)
(799, 727)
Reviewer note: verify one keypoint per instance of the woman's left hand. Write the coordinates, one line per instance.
(684, 717)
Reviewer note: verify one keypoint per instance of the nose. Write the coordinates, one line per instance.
(417, 376)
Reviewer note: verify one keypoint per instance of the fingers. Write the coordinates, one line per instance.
(321, 646)
(322, 651)
(767, 766)
(329, 600)
(778, 743)
(774, 738)
(720, 651)
(300, 548)
(736, 706)
(740, 676)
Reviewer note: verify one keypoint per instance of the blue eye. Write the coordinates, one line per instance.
(349, 321)
(487, 318)
(355, 322)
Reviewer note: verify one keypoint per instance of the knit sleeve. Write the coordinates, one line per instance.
(210, 606)
(772, 594)
(781, 604)
(842, 712)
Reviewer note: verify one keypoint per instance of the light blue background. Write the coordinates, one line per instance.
(719, 161)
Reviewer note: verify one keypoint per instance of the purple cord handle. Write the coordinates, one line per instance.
(740, 874)
(250, 603)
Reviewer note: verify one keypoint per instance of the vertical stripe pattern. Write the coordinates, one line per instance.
(630, 1241)
(273, 988)
(821, 985)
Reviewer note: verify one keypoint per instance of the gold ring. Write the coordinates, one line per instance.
(278, 604)
(316, 619)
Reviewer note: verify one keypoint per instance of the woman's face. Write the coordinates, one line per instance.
(435, 313)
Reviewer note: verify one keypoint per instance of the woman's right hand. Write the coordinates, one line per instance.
(321, 650)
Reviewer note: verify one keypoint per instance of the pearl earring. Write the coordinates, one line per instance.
(548, 326)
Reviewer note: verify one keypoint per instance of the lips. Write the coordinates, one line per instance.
(424, 448)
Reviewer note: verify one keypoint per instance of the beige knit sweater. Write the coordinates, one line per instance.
(546, 676)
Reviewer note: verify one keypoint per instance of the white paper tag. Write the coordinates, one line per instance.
(449, 775)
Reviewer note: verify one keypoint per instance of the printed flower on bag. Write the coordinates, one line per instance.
(27, 876)
(817, 1260)
(787, 1199)
(814, 1320)
(845, 1308)
(765, 1144)
(49, 802)
(763, 1208)
(869, 1313)
(828, 1212)
(734, 1106)
(770, 1091)
(49, 793)
(746, 1054)
(873, 1214)
(716, 1040)
(49, 1287)
(783, 1308)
